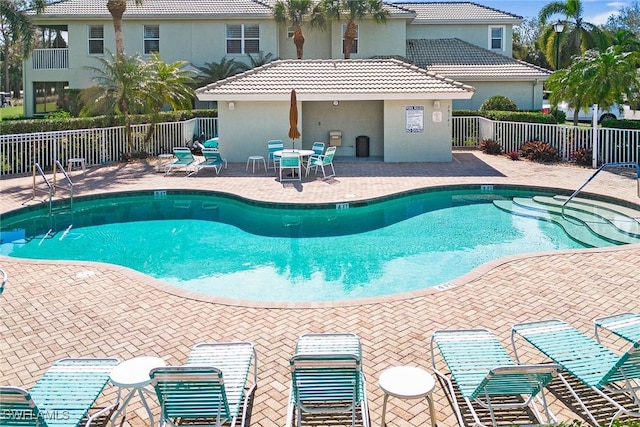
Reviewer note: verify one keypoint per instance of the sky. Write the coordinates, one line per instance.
(595, 11)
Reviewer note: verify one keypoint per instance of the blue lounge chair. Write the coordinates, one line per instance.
(184, 160)
(318, 151)
(593, 364)
(212, 159)
(212, 385)
(61, 398)
(624, 325)
(327, 378)
(483, 372)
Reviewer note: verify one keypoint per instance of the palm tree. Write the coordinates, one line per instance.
(214, 71)
(355, 10)
(16, 26)
(603, 78)
(117, 8)
(127, 85)
(578, 36)
(294, 13)
(261, 59)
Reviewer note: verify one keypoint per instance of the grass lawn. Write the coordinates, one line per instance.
(11, 112)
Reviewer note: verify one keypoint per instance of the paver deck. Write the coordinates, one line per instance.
(51, 310)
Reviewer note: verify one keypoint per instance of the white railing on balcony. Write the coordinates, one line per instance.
(19, 152)
(614, 145)
(50, 59)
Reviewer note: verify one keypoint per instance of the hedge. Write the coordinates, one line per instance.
(621, 124)
(59, 124)
(509, 116)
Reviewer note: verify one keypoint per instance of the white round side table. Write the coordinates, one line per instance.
(255, 159)
(134, 374)
(407, 382)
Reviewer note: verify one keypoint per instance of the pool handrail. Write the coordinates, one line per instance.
(602, 167)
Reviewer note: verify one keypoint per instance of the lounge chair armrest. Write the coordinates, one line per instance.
(101, 412)
(543, 368)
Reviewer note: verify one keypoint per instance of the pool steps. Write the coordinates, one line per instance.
(593, 223)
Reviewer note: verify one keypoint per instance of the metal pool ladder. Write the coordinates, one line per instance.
(52, 188)
(604, 166)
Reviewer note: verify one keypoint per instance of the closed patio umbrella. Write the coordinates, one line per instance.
(293, 119)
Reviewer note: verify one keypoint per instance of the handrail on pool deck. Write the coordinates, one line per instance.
(605, 165)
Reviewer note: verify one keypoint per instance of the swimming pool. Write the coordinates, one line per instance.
(226, 246)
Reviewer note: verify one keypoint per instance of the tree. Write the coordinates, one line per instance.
(117, 8)
(294, 13)
(261, 59)
(16, 27)
(127, 85)
(214, 71)
(355, 10)
(525, 43)
(578, 36)
(627, 18)
(602, 78)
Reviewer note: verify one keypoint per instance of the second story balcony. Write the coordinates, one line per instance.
(50, 59)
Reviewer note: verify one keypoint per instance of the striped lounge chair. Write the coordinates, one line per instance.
(213, 385)
(63, 397)
(594, 365)
(327, 379)
(483, 373)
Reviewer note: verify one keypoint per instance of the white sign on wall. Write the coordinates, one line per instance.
(414, 119)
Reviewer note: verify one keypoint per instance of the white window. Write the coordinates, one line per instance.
(96, 39)
(290, 32)
(354, 47)
(151, 39)
(496, 38)
(243, 38)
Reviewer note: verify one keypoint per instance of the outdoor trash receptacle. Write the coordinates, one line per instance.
(362, 146)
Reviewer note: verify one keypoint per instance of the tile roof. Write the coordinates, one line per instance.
(316, 80)
(458, 12)
(460, 60)
(98, 8)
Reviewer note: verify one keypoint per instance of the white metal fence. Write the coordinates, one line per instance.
(19, 152)
(49, 59)
(614, 145)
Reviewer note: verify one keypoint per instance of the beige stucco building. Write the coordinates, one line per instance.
(404, 111)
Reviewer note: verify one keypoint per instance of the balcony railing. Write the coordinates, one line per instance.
(50, 59)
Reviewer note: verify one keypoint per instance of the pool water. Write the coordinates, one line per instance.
(220, 245)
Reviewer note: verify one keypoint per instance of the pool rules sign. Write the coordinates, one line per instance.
(414, 119)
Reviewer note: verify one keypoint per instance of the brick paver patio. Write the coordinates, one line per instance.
(52, 310)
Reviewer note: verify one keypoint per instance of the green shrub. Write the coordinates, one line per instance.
(59, 122)
(559, 115)
(621, 124)
(539, 151)
(509, 116)
(489, 146)
(498, 103)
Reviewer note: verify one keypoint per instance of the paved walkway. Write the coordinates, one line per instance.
(51, 310)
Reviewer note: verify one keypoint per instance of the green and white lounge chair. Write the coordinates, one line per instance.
(624, 325)
(184, 160)
(483, 372)
(327, 378)
(61, 398)
(594, 365)
(213, 385)
(212, 159)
